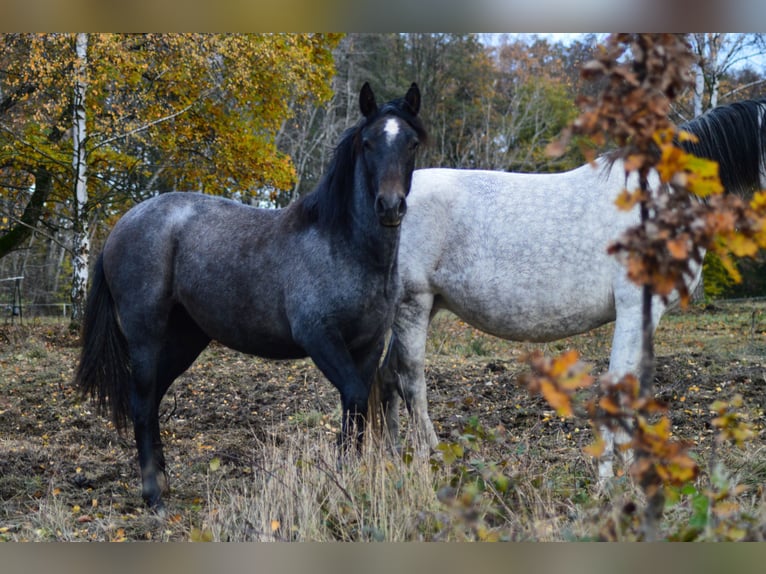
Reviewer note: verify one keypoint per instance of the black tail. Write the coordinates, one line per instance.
(104, 369)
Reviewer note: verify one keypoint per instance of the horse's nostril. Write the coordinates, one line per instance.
(380, 205)
(402, 206)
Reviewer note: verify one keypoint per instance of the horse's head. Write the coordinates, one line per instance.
(389, 140)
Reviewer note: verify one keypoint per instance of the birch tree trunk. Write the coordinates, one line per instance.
(81, 235)
(699, 89)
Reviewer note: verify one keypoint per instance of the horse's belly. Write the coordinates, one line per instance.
(532, 314)
(268, 349)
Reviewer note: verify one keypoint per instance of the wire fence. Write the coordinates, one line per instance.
(22, 313)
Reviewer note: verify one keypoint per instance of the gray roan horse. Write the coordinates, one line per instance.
(318, 278)
(523, 256)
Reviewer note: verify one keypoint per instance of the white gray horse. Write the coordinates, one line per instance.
(523, 256)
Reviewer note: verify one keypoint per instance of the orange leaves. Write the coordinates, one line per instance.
(556, 398)
(663, 252)
(634, 103)
(596, 448)
(558, 379)
(661, 460)
(679, 247)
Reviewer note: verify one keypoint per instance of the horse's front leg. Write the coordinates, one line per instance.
(329, 352)
(387, 381)
(624, 359)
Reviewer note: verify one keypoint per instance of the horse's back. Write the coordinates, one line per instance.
(149, 239)
(521, 256)
(214, 258)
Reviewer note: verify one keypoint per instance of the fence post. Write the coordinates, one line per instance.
(15, 306)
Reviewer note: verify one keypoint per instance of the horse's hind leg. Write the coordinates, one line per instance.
(390, 391)
(408, 368)
(146, 425)
(183, 342)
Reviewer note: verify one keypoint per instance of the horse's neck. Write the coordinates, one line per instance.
(369, 238)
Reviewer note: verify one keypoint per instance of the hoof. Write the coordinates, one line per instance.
(154, 502)
(157, 508)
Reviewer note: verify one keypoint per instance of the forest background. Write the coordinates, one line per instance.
(91, 124)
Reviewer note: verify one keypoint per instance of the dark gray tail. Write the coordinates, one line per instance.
(104, 370)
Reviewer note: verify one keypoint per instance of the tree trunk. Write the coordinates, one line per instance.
(699, 88)
(650, 481)
(20, 232)
(81, 235)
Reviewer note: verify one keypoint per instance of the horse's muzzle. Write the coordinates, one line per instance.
(390, 210)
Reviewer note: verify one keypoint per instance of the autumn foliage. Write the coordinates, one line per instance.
(684, 212)
(164, 111)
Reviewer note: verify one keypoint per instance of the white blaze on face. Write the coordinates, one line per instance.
(391, 128)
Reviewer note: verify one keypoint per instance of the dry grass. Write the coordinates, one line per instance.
(298, 492)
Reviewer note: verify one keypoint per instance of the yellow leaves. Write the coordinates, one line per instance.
(667, 458)
(201, 535)
(730, 424)
(627, 200)
(698, 175)
(659, 431)
(451, 451)
(701, 176)
(209, 106)
(741, 246)
(758, 203)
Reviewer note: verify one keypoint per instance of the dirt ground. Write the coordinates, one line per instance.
(58, 455)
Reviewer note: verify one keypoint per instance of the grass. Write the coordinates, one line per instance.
(299, 493)
(529, 482)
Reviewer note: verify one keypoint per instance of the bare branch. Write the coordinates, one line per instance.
(148, 125)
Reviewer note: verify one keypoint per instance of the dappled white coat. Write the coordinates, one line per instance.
(519, 256)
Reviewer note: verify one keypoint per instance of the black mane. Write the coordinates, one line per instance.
(734, 136)
(327, 205)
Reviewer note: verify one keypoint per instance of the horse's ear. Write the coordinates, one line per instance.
(413, 98)
(367, 103)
